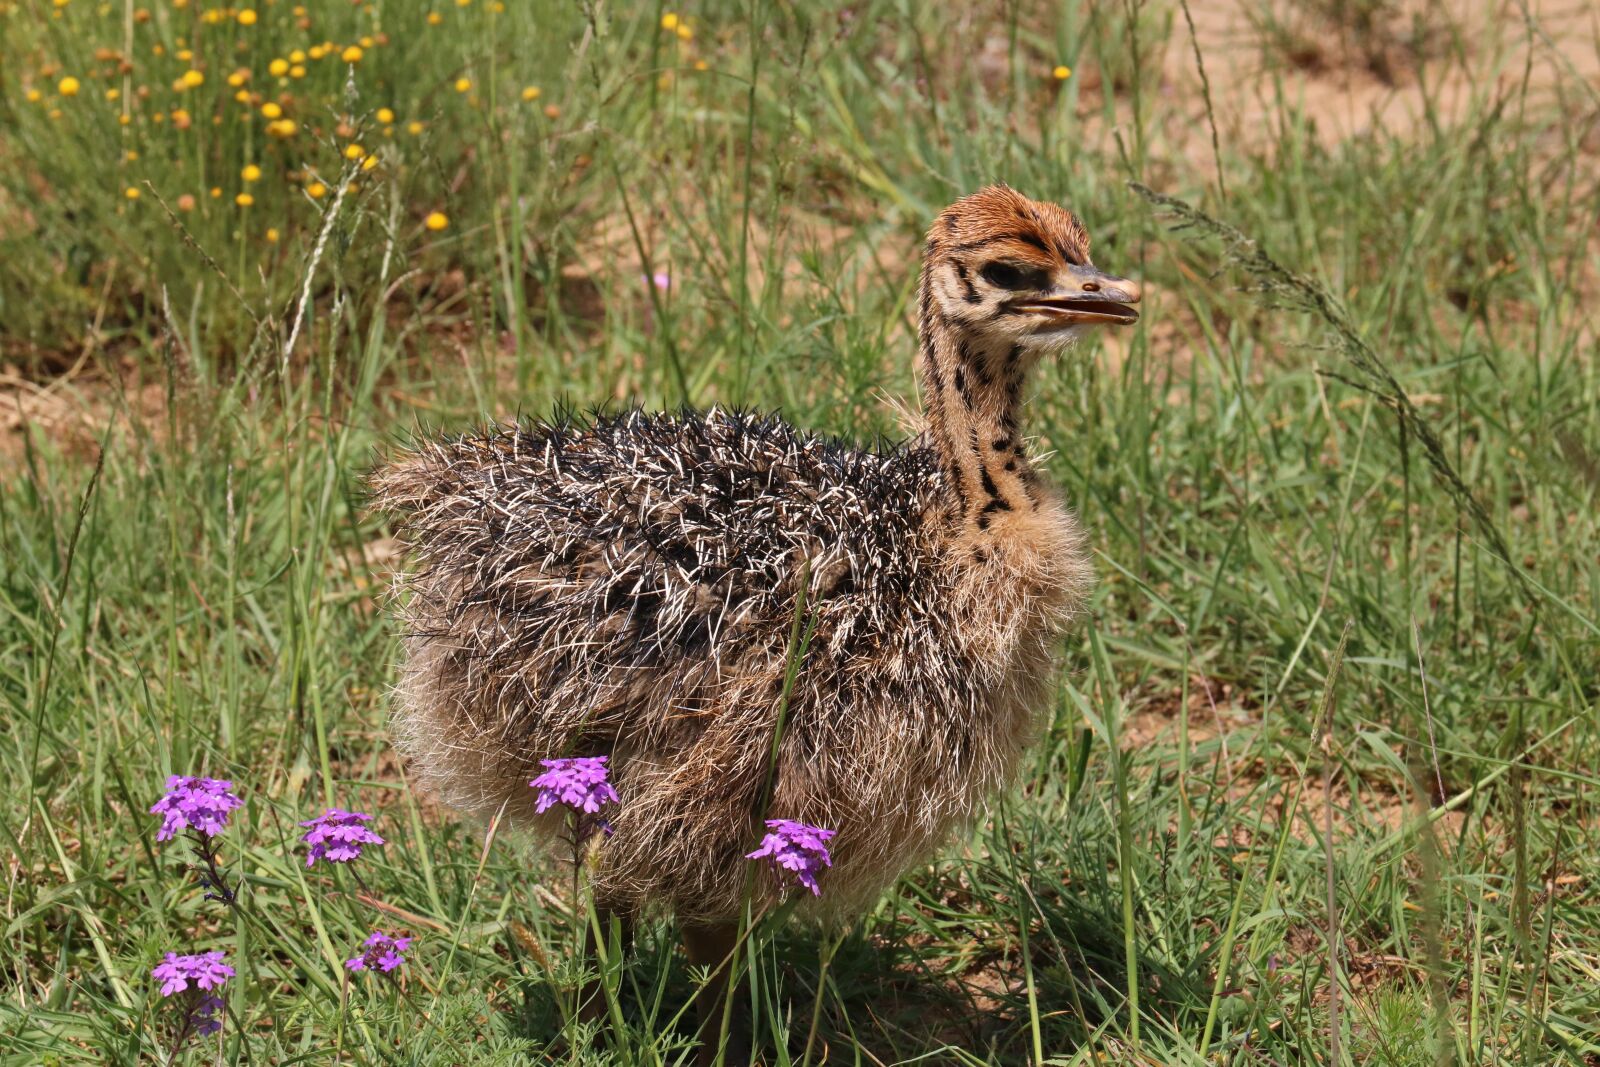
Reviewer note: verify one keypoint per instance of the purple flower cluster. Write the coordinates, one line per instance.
(797, 847)
(579, 782)
(208, 973)
(205, 969)
(201, 806)
(383, 952)
(337, 836)
(198, 804)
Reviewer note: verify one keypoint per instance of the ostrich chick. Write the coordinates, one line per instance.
(629, 586)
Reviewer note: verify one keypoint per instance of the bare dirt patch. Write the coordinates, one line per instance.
(72, 411)
(1353, 69)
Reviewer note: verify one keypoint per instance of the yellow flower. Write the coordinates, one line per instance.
(297, 71)
(131, 155)
(237, 78)
(434, 18)
(367, 42)
(251, 173)
(317, 51)
(271, 110)
(272, 236)
(685, 32)
(193, 78)
(701, 64)
(247, 17)
(184, 54)
(354, 151)
(281, 128)
(112, 94)
(244, 200)
(278, 68)
(531, 93)
(385, 116)
(34, 96)
(414, 128)
(436, 221)
(462, 85)
(242, 96)
(352, 54)
(297, 56)
(369, 163)
(316, 190)
(216, 192)
(131, 193)
(669, 21)
(463, 3)
(181, 119)
(67, 86)
(61, 3)
(1061, 73)
(124, 120)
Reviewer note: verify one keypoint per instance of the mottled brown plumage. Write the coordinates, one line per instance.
(628, 585)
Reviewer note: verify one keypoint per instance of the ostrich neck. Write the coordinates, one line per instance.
(972, 391)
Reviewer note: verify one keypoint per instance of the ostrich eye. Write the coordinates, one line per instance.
(1014, 277)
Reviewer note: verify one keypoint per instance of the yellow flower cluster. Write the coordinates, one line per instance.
(157, 89)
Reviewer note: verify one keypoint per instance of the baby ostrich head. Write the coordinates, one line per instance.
(1005, 280)
(1005, 269)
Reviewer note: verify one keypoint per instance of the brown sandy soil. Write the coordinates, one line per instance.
(72, 410)
(1352, 80)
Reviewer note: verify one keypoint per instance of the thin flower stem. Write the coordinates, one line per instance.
(577, 938)
(344, 1006)
(183, 1036)
(801, 629)
(213, 879)
(816, 1005)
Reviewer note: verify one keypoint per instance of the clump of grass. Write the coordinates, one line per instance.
(1287, 289)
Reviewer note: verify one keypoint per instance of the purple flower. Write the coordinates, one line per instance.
(579, 782)
(660, 279)
(383, 951)
(204, 1017)
(795, 846)
(198, 804)
(337, 836)
(205, 969)
(203, 1007)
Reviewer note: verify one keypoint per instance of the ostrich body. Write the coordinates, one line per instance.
(630, 586)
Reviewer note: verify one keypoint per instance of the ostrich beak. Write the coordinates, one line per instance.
(1090, 297)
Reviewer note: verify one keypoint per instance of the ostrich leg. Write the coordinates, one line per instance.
(711, 946)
